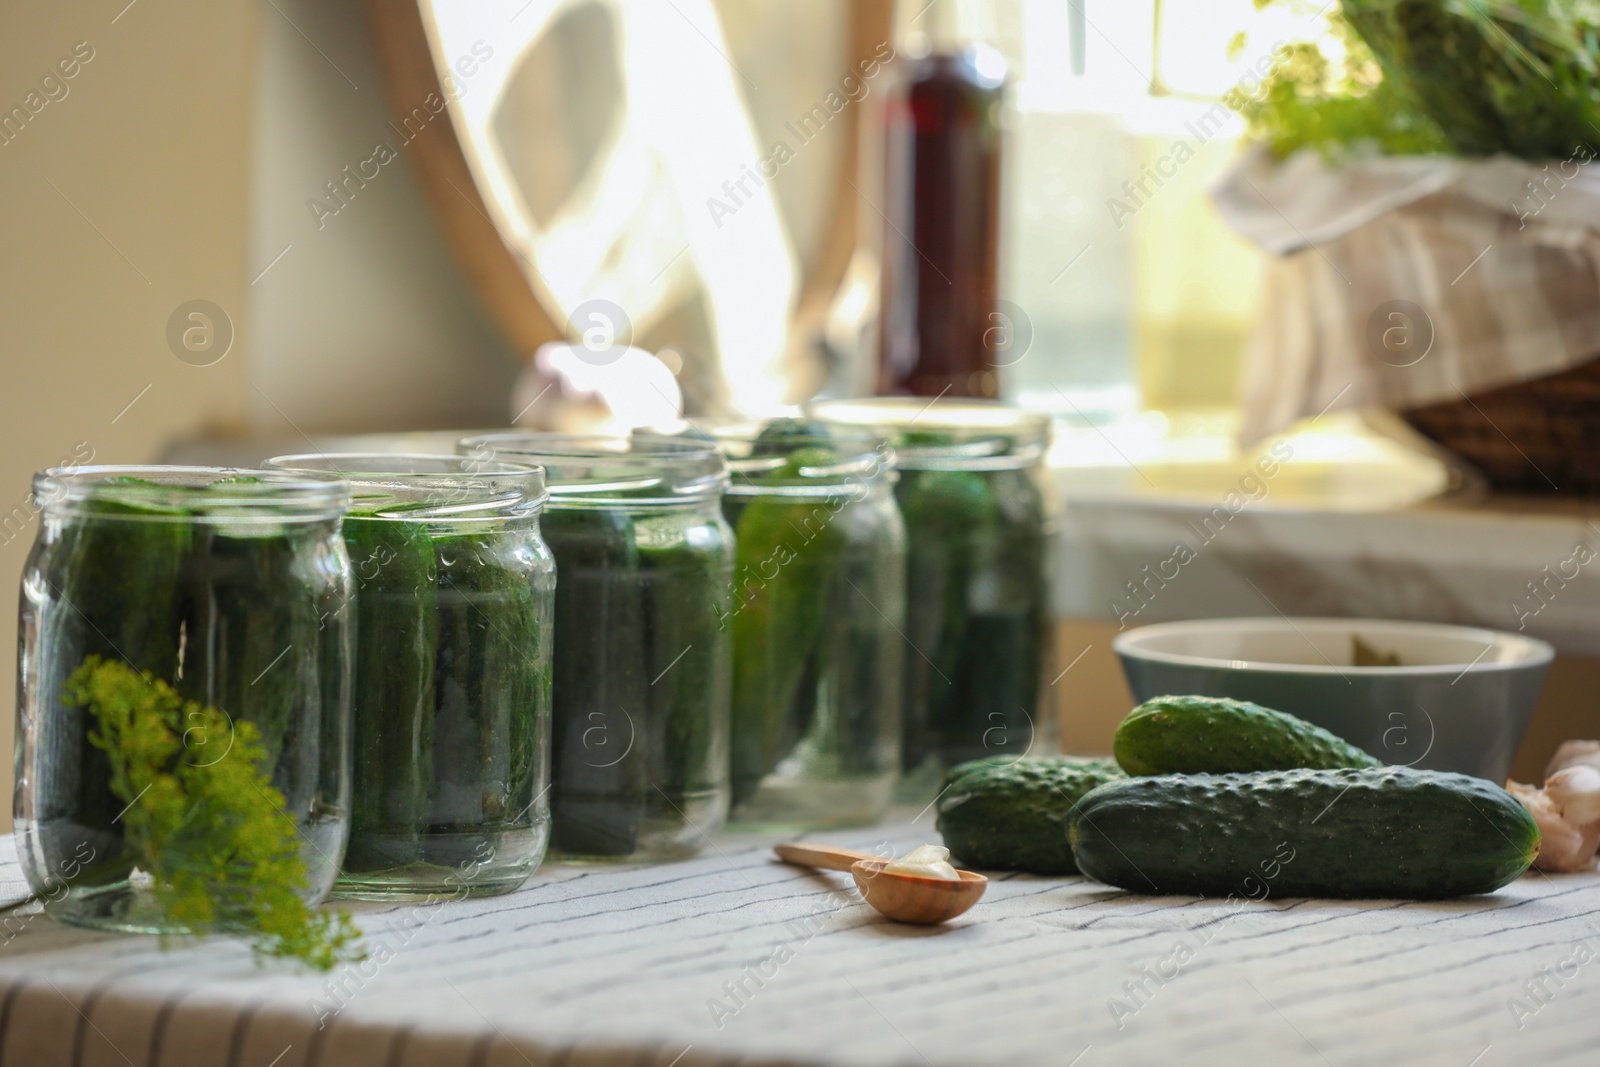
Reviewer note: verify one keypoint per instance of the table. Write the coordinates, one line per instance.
(732, 958)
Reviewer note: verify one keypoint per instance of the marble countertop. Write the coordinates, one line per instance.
(1507, 563)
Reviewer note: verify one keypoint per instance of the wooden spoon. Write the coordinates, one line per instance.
(906, 898)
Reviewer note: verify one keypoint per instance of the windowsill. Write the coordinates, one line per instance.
(1351, 524)
(1337, 464)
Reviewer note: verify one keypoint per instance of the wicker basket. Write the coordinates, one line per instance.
(1539, 436)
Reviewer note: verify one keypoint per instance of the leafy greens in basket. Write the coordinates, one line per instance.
(1454, 77)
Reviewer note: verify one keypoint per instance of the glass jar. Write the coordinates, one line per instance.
(975, 499)
(455, 592)
(819, 592)
(233, 588)
(644, 563)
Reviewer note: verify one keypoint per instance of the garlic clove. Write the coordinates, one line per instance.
(1576, 791)
(1564, 844)
(1574, 754)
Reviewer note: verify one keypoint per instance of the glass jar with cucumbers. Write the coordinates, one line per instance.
(184, 686)
(640, 681)
(976, 503)
(818, 599)
(454, 600)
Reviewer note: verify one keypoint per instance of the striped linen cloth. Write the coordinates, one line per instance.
(1406, 281)
(732, 958)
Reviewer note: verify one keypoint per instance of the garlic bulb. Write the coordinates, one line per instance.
(1567, 809)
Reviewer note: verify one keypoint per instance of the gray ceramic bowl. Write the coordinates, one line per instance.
(1459, 701)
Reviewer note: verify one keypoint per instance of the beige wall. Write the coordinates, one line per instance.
(121, 201)
(1092, 697)
(188, 147)
(366, 322)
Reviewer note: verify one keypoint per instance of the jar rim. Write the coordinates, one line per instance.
(863, 458)
(608, 470)
(978, 434)
(421, 486)
(179, 493)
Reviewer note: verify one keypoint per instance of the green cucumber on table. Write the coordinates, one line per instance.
(1010, 813)
(1215, 735)
(1356, 832)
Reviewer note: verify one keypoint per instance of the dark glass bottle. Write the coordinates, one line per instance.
(941, 245)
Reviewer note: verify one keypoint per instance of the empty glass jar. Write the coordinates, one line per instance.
(644, 561)
(451, 708)
(974, 496)
(232, 587)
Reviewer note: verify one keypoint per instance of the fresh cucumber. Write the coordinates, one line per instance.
(1104, 765)
(1010, 814)
(1348, 832)
(786, 562)
(491, 693)
(975, 608)
(1214, 735)
(392, 701)
(600, 689)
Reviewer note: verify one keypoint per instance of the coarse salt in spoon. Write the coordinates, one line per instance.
(903, 897)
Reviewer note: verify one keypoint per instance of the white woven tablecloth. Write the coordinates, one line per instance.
(627, 966)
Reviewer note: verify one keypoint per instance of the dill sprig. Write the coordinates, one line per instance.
(211, 832)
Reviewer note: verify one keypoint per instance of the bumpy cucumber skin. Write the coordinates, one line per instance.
(1214, 735)
(1004, 813)
(1365, 833)
(1104, 765)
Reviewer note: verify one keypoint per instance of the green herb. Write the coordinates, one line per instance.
(212, 833)
(1307, 102)
(1365, 655)
(1463, 77)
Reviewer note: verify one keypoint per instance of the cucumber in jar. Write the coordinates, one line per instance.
(489, 691)
(115, 568)
(686, 754)
(178, 592)
(787, 553)
(599, 689)
(397, 630)
(975, 596)
(248, 655)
